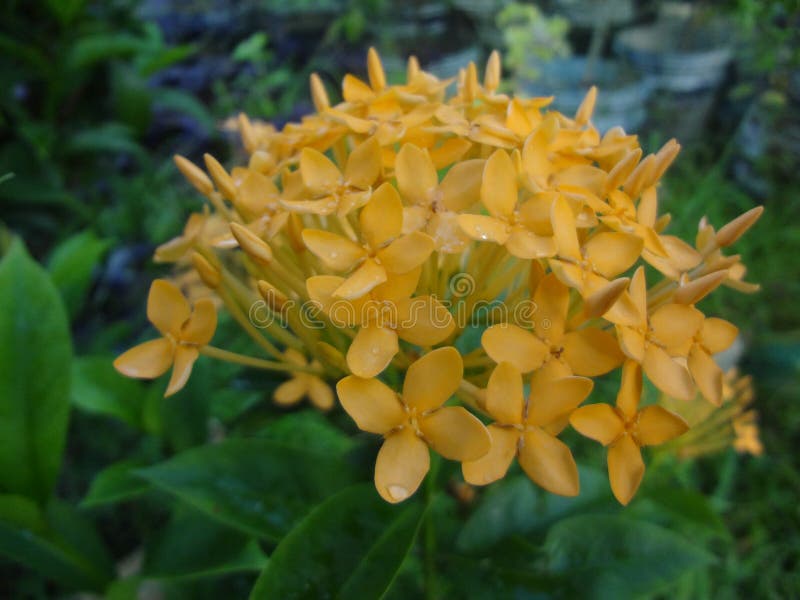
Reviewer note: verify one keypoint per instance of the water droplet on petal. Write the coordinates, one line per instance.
(397, 492)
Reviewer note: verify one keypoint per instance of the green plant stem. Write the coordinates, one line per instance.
(430, 530)
(251, 361)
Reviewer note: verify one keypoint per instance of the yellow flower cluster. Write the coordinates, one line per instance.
(366, 243)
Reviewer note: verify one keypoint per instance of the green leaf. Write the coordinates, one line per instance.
(72, 264)
(617, 557)
(350, 546)
(688, 507)
(192, 547)
(250, 49)
(112, 138)
(102, 47)
(185, 104)
(97, 388)
(256, 485)
(58, 544)
(65, 10)
(308, 428)
(515, 506)
(21, 512)
(35, 358)
(115, 484)
(166, 57)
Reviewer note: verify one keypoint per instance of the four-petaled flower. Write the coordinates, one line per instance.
(384, 252)
(414, 421)
(526, 430)
(625, 429)
(303, 385)
(184, 332)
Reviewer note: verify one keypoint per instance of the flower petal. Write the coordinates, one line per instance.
(674, 325)
(290, 392)
(364, 164)
(364, 279)
(372, 404)
(403, 461)
(423, 321)
(592, 352)
(505, 399)
(630, 389)
(625, 469)
(658, 425)
(320, 393)
(612, 253)
(382, 217)
(181, 368)
(556, 399)
(407, 252)
(667, 374)
(201, 325)
(526, 244)
(432, 379)
(718, 334)
(146, 361)
(484, 228)
(416, 175)
(549, 462)
(499, 185)
(631, 342)
(495, 463)
(372, 350)
(398, 286)
(551, 300)
(335, 251)
(461, 187)
(509, 343)
(599, 422)
(456, 433)
(562, 220)
(706, 374)
(167, 309)
(318, 171)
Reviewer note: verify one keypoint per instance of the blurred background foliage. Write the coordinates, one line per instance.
(105, 487)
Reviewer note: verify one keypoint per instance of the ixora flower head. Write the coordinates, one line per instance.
(363, 247)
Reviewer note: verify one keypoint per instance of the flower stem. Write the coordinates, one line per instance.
(251, 361)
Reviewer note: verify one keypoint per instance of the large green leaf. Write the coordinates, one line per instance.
(72, 264)
(350, 546)
(192, 546)
(58, 543)
(617, 557)
(257, 485)
(35, 358)
(114, 484)
(515, 506)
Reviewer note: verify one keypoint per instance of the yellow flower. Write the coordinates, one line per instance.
(589, 267)
(184, 330)
(331, 190)
(303, 385)
(550, 349)
(521, 429)
(657, 339)
(434, 206)
(504, 225)
(625, 430)
(384, 251)
(386, 314)
(415, 420)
